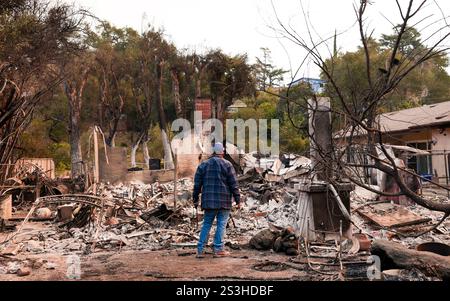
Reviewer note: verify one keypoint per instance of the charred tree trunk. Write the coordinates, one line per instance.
(159, 99)
(113, 102)
(111, 140)
(74, 137)
(220, 110)
(134, 149)
(145, 152)
(198, 88)
(74, 92)
(176, 93)
(198, 80)
(168, 158)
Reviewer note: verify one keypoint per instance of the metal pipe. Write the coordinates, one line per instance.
(340, 203)
(446, 172)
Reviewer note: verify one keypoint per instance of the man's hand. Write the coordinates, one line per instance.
(238, 206)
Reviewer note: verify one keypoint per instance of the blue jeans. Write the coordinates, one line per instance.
(222, 220)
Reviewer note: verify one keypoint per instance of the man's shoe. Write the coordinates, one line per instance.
(222, 253)
(200, 255)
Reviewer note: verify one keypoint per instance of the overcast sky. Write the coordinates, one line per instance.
(243, 26)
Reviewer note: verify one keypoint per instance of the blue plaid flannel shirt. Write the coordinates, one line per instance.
(216, 180)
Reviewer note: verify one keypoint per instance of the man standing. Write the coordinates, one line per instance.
(216, 180)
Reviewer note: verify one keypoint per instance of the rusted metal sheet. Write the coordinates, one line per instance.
(389, 215)
(305, 218)
(47, 165)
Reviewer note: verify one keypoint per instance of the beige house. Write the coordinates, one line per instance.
(234, 108)
(425, 128)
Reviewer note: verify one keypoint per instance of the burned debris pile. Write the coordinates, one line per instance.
(58, 217)
(125, 217)
(285, 241)
(119, 216)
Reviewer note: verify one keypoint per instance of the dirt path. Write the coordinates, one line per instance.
(163, 265)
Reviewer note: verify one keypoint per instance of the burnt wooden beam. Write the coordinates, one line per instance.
(395, 256)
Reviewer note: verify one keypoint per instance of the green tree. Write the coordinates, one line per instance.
(113, 59)
(426, 84)
(430, 83)
(229, 78)
(35, 37)
(266, 74)
(349, 73)
(265, 106)
(409, 44)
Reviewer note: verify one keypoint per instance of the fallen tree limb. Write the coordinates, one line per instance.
(394, 255)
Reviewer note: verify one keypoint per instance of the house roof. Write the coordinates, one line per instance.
(409, 119)
(428, 115)
(309, 79)
(238, 104)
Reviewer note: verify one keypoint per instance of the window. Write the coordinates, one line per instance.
(422, 165)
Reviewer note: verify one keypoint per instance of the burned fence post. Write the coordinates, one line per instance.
(175, 192)
(96, 164)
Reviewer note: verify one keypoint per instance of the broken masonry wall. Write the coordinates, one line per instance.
(114, 169)
(193, 149)
(150, 176)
